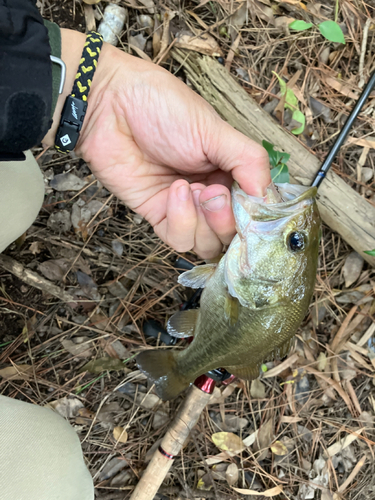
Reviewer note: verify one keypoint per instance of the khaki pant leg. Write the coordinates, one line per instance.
(40, 455)
(21, 196)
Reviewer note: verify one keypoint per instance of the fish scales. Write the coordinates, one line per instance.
(255, 298)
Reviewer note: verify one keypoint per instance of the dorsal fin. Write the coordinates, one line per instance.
(182, 323)
(197, 277)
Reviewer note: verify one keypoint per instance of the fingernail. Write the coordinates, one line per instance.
(196, 194)
(215, 204)
(183, 192)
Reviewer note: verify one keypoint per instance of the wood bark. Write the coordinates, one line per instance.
(341, 208)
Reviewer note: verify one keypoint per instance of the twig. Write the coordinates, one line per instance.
(363, 53)
(33, 279)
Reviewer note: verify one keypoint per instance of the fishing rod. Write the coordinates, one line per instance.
(344, 132)
(200, 392)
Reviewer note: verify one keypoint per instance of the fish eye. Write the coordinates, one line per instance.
(297, 241)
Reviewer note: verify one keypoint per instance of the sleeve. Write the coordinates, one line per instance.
(25, 78)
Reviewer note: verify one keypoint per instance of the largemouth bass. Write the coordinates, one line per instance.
(253, 300)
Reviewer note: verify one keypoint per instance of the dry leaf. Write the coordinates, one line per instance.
(66, 407)
(16, 372)
(268, 493)
(36, 247)
(67, 182)
(352, 268)
(262, 11)
(279, 448)
(78, 347)
(204, 43)
(257, 389)
(54, 269)
(147, 401)
(228, 441)
(91, 2)
(102, 364)
(89, 16)
(264, 439)
(231, 474)
(342, 443)
(120, 434)
(341, 87)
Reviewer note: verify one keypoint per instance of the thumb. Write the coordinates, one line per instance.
(233, 152)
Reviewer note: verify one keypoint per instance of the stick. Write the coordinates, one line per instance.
(33, 279)
(173, 441)
(341, 208)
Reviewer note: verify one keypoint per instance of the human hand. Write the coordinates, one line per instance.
(163, 150)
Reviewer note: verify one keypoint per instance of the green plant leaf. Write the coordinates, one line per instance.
(300, 25)
(299, 117)
(331, 31)
(276, 157)
(291, 101)
(370, 252)
(280, 174)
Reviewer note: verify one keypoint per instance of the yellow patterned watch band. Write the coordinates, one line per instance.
(75, 105)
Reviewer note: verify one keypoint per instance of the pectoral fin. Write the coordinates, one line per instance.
(231, 309)
(197, 277)
(182, 324)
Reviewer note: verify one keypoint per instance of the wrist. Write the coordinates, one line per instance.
(72, 43)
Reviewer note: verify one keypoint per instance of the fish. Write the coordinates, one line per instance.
(253, 300)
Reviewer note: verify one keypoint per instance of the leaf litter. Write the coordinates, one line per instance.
(305, 429)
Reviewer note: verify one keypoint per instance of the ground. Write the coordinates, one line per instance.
(308, 424)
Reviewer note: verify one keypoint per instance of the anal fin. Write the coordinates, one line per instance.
(249, 372)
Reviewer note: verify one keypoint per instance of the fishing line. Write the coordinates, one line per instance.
(344, 132)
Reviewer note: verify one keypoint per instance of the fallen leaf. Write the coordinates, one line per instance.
(59, 222)
(161, 417)
(279, 448)
(103, 364)
(112, 468)
(36, 247)
(16, 372)
(54, 269)
(138, 41)
(89, 16)
(320, 110)
(204, 43)
(91, 2)
(268, 493)
(117, 247)
(78, 347)
(341, 87)
(259, 9)
(257, 389)
(352, 268)
(264, 439)
(88, 286)
(149, 4)
(148, 401)
(120, 434)
(231, 474)
(66, 407)
(342, 443)
(67, 182)
(228, 441)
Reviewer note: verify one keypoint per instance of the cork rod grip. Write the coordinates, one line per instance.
(171, 444)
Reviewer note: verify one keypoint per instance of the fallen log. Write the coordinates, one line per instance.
(341, 208)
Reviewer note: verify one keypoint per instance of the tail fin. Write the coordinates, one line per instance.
(160, 367)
